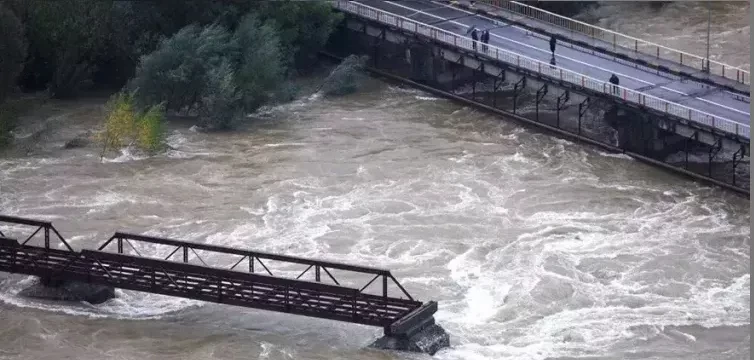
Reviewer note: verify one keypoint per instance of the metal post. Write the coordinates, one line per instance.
(453, 78)
(47, 237)
(185, 254)
(686, 150)
(562, 100)
(434, 69)
(557, 114)
(120, 245)
(583, 106)
(496, 85)
(316, 273)
(709, 23)
(647, 127)
(541, 92)
(473, 85)
(519, 85)
(737, 157)
(713, 153)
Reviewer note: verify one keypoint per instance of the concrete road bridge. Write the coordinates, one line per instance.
(667, 103)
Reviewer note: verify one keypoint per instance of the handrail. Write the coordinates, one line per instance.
(546, 69)
(625, 41)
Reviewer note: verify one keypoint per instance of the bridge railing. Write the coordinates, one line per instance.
(40, 225)
(253, 261)
(624, 41)
(545, 69)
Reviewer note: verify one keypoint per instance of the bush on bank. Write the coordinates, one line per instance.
(127, 126)
(212, 59)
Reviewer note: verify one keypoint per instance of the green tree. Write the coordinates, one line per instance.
(65, 38)
(176, 73)
(260, 62)
(304, 27)
(12, 50)
(125, 125)
(221, 101)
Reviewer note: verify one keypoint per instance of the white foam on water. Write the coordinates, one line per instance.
(295, 105)
(285, 144)
(127, 304)
(520, 272)
(127, 154)
(615, 155)
(427, 98)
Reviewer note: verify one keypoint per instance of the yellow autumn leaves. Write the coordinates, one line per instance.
(126, 126)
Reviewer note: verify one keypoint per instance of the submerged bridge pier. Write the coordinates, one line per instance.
(405, 42)
(247, 278)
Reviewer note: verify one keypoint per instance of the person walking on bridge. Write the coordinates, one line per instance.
(615, 81)
(552, 44)
(485, 39)
(475, 37)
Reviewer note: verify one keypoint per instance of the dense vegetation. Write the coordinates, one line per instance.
(211, 59)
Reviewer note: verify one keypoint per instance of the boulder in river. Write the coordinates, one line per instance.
(81, 140)
(69, 291)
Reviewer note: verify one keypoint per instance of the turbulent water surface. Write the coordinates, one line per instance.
(535, 247)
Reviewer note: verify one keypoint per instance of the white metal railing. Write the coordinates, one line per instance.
(621, 40)
(545, 68)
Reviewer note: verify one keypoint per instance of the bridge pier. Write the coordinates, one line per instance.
(64, 290)
(416, 332)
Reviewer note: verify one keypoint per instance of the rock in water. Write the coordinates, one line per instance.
(81, 140)
(69, 291)
(429, 340)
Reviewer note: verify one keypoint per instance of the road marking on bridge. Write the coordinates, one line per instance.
(580, 62)
(561, 56)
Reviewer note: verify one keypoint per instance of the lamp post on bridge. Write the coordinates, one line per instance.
(709, 22)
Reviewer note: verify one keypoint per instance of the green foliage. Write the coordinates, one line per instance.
(221, 100)
(346, 77)
(8, 119)
(213, 73)
(151, 125)
(260, 64)
(212, 58)
(12, 51)
(10, 111)
(177, 71)
(65, 38)
(124, 125)
(304, 26)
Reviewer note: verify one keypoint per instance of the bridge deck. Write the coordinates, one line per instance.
(715, 102)
(637, 49)
(209, 283)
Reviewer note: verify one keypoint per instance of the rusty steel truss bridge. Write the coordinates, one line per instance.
(249, 282)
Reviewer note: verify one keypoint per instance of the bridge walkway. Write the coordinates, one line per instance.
(607, 42)
(254, 287)
(686, 100)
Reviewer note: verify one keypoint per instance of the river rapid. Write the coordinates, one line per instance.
(535, 247)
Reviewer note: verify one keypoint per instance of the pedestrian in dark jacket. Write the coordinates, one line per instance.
(475, 37)
(552, 44)
(485, 39)
(615, 81)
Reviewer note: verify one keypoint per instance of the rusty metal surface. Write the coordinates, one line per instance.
(248, 288)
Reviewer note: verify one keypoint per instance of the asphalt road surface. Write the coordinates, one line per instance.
(713, 101)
